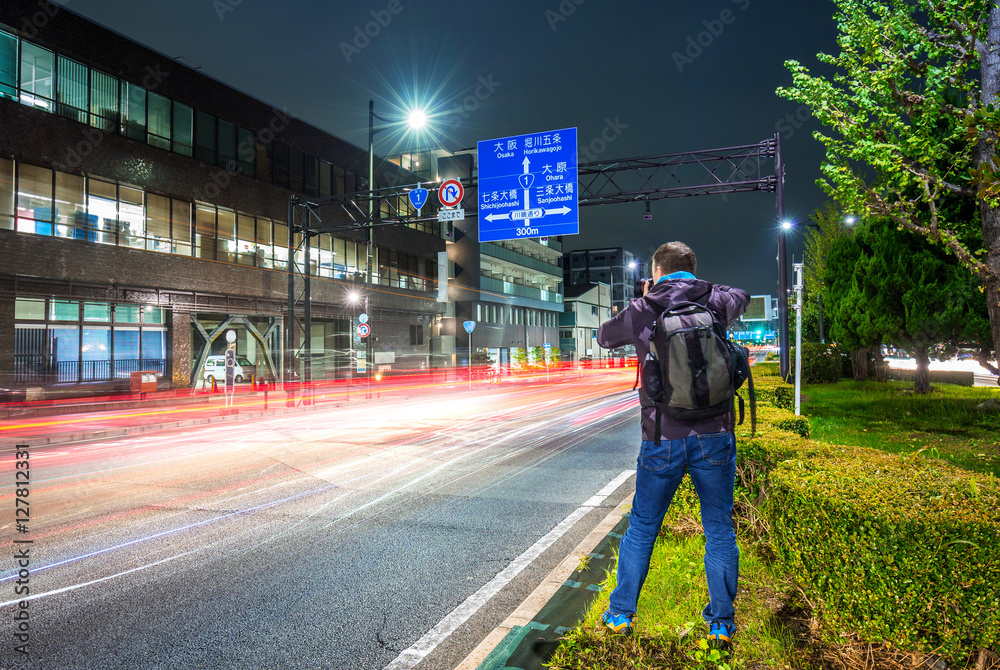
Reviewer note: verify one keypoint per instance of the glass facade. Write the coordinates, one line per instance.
(56, 83)
(57, 204)
(73, 341)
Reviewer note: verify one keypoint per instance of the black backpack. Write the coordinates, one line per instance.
(692, 371)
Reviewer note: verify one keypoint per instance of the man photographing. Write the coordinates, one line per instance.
(706, 447)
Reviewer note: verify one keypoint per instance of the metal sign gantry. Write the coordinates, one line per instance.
(737, 169)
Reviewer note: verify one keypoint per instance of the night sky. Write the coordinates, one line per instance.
(536, 65)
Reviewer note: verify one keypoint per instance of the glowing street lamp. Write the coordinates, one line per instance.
(416, 120)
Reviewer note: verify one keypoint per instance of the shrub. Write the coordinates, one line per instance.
(900, 550)
(821, 363)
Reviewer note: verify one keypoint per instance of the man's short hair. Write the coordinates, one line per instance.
(675, 257)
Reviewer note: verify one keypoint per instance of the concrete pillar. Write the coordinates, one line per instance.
(180, 349)
(7, 342)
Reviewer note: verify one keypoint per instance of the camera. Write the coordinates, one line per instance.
(640, 286)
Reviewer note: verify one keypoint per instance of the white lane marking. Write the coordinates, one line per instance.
(435, 636)
(74, 587)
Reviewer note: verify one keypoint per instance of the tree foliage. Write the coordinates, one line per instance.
(907, 113)
(885, 286)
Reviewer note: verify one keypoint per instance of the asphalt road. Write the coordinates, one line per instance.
(333, 538)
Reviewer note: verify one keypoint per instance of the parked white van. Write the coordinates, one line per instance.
(215, 369)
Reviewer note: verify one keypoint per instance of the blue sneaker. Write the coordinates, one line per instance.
(719, 634)
(617, 623)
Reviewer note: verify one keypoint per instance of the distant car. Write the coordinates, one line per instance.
(215, 369)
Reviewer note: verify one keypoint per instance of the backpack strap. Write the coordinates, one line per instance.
(658, 310)
(656, 429)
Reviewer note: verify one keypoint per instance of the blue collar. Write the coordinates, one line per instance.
(678, 275)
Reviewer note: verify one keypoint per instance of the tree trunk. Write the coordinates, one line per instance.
(922, 382)
(859, 364)
(986, 157)
(881, 368)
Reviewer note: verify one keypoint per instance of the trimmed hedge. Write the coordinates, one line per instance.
(901, 550)
(821, 363)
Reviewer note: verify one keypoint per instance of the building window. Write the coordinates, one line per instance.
(6, 194)
(183, 129)
(34, 200)
(36, 76)
(157, 223)
(227, 146)
(8, 66)
(71, 91)
(71, 212)
(131, 218)
(104, 102)
(69, 346)
(245, 151)
(102, 210)
(180, 227)
(593, 310)
(205, 138)
(226, 236)
(158, 121)
(134, 112)
(416, 335)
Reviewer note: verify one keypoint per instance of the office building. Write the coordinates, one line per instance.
(144, 212)
(587, 307)
(615, 267)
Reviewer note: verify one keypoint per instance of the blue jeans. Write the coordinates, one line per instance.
(711, 460)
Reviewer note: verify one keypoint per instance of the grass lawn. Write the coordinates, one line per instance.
(669, 631)
(944, 423)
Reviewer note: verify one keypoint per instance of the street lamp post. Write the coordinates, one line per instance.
(416, 120)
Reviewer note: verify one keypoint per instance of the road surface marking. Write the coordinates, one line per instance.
(435, 636)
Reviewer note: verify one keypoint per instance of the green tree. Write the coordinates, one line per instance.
(850, 324)
(911, 107)
(518, 357)
(905, 291)
(829, 227)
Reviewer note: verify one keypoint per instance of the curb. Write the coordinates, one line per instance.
(531, 634)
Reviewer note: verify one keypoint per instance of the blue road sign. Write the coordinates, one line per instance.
(527, 186)
(469, 326)
(418, 197)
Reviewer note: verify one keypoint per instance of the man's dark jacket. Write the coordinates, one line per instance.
(633, 325)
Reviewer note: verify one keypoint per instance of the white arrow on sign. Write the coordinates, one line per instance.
(562, 210)
(497, 217)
